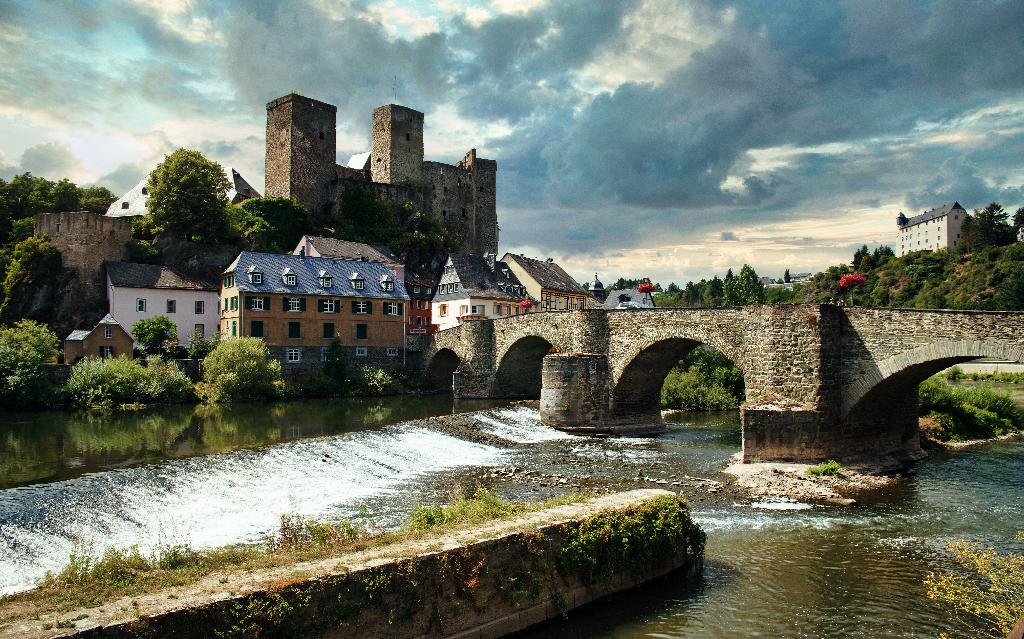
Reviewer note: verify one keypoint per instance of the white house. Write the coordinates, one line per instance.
(472, 288)
(140, 291)
(133, 202)
(936, 229)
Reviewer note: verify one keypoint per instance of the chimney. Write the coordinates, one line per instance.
(302, 253)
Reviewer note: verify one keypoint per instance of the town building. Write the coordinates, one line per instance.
(106, 339)
(317, 246)
(596, 291)
(300, 164)
(299, 304)
(474, 288)
(939, 228)
(421, 291)
(548, 283)
(140, 291)
(133, 203)
(628, 298)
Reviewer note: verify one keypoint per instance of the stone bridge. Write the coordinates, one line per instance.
(821, 381)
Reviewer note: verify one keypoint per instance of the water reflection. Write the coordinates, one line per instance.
(52, 446)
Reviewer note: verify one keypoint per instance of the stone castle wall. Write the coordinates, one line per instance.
(300, 154)
(86, 240)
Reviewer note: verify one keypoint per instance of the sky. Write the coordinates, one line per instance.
(636, 138)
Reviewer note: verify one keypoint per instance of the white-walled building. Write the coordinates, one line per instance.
(473, 288)
(936, 229)
(140, 291)
(133, 202)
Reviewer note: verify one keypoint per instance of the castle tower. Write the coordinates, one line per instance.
(485, 214)
(301, 151)
(396, 150)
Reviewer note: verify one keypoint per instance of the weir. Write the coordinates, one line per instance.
(821, 381)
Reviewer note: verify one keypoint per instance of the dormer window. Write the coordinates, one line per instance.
(326, 281)
(289, 277)
(255, 277)
(387, 282)
(357, 280)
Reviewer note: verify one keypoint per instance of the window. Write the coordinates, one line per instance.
(416, 289)
(256, 328)
(289, 280)
(361, 331)
(106, 351)
(361, 308)
(328, 330)
(172, 306)
(108, 332)
(145, 191)
(140, 305)
(200, 307)
(294, 330)
(199, 331)
(499, 309)
(294, 305)
(257, 304)
(478, 310)
(124, 205)
(392, 351)
(229, 281)
(455, 286)
(294, 355)
(419, 321)
(407, 138)
(358, 284)
(234, 303)
(388, 286)
(256, 277)
(234, 328)
(323, 353)
(326, 281)
(360, 351)
(463, 310)
(328, 306)
(392, 308)
(443, 310)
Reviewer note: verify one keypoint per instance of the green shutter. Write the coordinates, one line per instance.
(302, 304)
(320, 306)
(266, 303)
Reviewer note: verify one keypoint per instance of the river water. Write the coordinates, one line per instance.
(212, 476)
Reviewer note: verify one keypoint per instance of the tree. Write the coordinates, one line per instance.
(25, 348)
(270, 224)
(988, 227)
(34, 263)
(335, 365)
(673, 289)
(1018, 221)
(785, 277)
(730, 290)
(714, 293)
(155, 334)
(240, 369)
(749, 287)
(95, 199)
(188, 195)
(66, 196)
(860, 254)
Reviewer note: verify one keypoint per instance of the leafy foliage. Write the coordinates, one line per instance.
(958, 413)
(155, 334)
(240, 369)
(188, 195)
(25, 348)
(830, 468)
(34, 263)
(119, 381)
(734, 290)
(705, 380)
(269, 224)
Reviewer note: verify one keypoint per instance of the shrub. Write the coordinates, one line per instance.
(372, 381)
(831, 468)
(25, 348)
(120, 381)
(705, 380)
(975, 412)
(240, 369)
(155, 334)
(200, 347)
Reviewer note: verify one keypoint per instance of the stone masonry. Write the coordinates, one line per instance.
(86, 240)
(821, 381)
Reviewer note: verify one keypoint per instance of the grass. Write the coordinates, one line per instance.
(830, 468)
(953, 413)
(88, 581)
(957, 374)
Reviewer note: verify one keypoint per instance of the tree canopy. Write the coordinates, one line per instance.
(270, 224)
(154, 334)
(188, 195)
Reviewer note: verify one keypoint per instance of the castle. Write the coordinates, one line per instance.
(300, 164)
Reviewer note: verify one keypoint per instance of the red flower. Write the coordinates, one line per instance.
(851, 279)
(646, 287)
(525, 304)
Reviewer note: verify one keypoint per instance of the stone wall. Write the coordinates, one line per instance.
(449, 196)
(300, 153)
(396, 145)
(85, 240)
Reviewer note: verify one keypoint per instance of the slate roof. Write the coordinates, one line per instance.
(307, 272)
(478, 279)
(240, 190)
(345, 250)
(635, 297)
(937, 212)
(131, 275)
(79, 334)
(548, 274)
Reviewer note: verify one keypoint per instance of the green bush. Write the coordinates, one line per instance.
(373, 382)
(976, 412)
(831, 468)
(120, 381)
(155, 334)
(25, 349)
(705, 380)
(240, 369)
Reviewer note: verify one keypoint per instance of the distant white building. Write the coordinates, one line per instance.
(140, 291)
(936, 229)
(133, 202)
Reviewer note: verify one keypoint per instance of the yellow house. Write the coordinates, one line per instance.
(547, 282)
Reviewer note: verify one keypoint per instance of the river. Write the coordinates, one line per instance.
(212, 476)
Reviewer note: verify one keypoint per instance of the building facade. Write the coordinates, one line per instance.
(106, 339)
(298, 305)
(141, 291)
(421, 291)
(548, 283)
(939, 228)
(473, 288)
(300, 163)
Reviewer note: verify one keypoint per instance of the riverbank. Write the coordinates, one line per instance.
(481, 580)
(796, 482)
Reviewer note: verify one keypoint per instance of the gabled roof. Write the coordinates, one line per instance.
(137, 197)
(940, 211)
(359, 161)
(307, 275)
(478, 279)
(80, 334)
(131, 275)
(345, 250)
(240, 190)
(630, 295)
(546, 273)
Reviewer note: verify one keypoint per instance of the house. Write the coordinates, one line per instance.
(106, 339)
(628, 298)
(298, 304)
(596, 290)
(547, 282)
(421, 290)
(472, 288)
(133, 202)
(140, 291)
(317, 246)
(936, 229)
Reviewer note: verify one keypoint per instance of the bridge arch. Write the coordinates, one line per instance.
(900, 374)
(636, 388)
(442, 365)
(518, 372)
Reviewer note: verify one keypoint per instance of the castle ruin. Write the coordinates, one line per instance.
(300, 164)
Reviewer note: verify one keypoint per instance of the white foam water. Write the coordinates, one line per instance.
(519, 424)
(215, 500)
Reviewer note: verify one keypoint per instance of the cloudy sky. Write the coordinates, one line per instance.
(637, 138)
